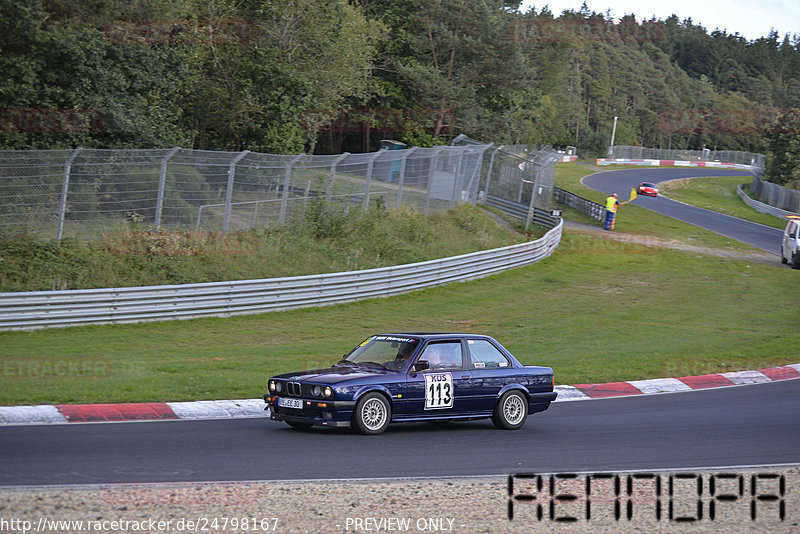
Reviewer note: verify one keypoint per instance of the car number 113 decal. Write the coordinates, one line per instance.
(438, 391)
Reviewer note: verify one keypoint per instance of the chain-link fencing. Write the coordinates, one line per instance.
(724, 156)
(776, 195)
(520, 174)
(85, 193)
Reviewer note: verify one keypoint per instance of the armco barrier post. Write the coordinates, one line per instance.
(64, 190)
(162, 179)
(229, 195)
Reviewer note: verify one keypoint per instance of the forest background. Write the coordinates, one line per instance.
(329, 76)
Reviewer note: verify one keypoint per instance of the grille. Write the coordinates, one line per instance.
(293, 388)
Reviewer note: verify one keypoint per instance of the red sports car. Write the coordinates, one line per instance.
(646, 188)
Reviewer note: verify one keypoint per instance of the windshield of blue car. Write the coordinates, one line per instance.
(390, 352)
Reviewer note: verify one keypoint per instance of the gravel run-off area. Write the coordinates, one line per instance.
(468, 505)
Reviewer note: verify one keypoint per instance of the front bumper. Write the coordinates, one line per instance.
(314, 411)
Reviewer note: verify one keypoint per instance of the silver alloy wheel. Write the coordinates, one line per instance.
(374, 414)
(513, 409)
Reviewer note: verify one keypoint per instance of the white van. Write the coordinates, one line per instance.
(790, 247)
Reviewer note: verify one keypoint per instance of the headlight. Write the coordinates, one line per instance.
(316, 391)
(328, 391)
(271, 385)
(278, 387)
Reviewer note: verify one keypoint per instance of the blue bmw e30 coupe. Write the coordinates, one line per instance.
(404, 377)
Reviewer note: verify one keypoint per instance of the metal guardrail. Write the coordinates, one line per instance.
(42, 309)
(592, 209)
(520, 211)
(760, 206)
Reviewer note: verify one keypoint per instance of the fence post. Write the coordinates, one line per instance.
(64, 190)
(286, 181)
(402, 178)
(229, 195)
(431, 174)
(162, 179)
(489, 173)
(476, 172)
(532, 206)
(333, 177)
(370, 166)
(458, 178)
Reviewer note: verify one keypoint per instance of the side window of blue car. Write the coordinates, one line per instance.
(484, 355)
(443, 355)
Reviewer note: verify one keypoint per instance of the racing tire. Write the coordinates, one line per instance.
(299, 426)
(795, 261)
(511, 411)
(372, 414)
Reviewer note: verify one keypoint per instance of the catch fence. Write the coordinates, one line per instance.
(85, 193)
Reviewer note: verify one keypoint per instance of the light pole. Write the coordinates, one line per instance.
(613, 133)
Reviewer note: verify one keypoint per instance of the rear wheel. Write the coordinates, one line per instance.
(510, 411)
(372, 414)
(795, 261)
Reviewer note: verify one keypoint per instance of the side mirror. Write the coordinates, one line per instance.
(420, 365)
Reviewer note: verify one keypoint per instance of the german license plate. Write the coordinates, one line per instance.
(297, 404)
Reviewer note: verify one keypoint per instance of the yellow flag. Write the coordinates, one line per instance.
(633, 194)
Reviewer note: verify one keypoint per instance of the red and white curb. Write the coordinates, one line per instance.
(670, 385)
(148, 411)
(673, 163)
(226, 409)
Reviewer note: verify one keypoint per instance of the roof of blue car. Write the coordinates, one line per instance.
(432, 334)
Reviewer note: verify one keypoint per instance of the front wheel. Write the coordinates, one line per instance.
(795, 261)
(510, 411)
(372, 414)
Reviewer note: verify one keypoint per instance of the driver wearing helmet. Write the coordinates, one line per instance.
(438, 357)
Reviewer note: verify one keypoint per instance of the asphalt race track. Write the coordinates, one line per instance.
(734, 426)
(621, 182)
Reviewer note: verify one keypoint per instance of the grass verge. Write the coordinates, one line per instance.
(596, 311)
